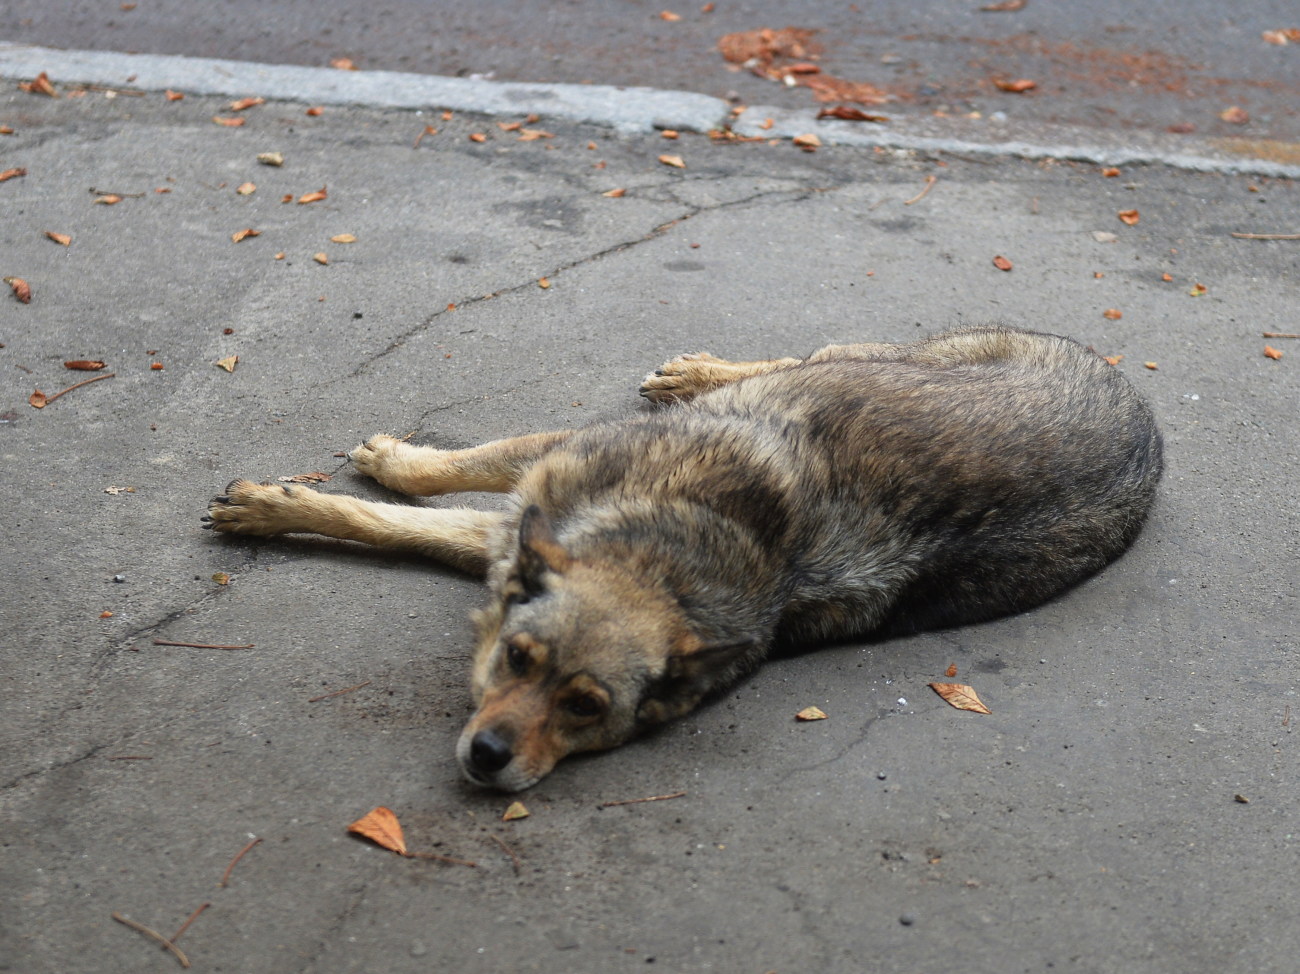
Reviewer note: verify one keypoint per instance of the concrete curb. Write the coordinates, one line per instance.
(629, 110)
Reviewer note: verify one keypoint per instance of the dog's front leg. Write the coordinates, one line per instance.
(456, 536)
(424, 471)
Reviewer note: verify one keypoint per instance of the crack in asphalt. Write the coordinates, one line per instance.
(58, 765)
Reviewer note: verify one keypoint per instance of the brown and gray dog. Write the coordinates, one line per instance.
(866, 489)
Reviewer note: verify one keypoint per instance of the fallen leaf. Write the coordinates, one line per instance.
(239, 235)
(314, 111)
(115, 491)
(515, 811)
(108, 199)
(951, 671)
(246, 189)
(62, 239)
(106, 614)
(6, 130)
(244, 103)
(228, 363)
(381, 827)
(343, 64)
(40, 85)
(1002, 264)
(12, 174)
(1235, 115)
(84, 365)
(809, 142)
(1182, 128)
(279, 256)
(1113, 359)
(670, 134)
(343, 238)
(221, 578)
(1241, 798)
(1272, 352)
(477, 137)
(614, 193)
(321, 258)
(1285, 35)
(1006, 6)
(532, 135)
(675, 161)
(669, 15)
(1018, 87)
(22, 290)
(961, 696)
(1197, 290)
(846, 113)
(316, 477)
(271, 158)
(1129, 217)
(229, 122)
(315, 197)
(1104, 236)
(1153, 366)
(764, 46)
(37, 399)
(766, 124)
(1114, 314)
(544, 282)
(810, 713)
(173, 95)
(162, 189)
(510, 126)
(1166, 277)
(1097, 275)
(1110, 172)
(287, 198)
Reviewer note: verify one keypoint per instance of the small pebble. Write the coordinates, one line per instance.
(907, 919)
(119, 578)
(880, 775)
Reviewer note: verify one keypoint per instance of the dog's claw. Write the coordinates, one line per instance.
(221, 498)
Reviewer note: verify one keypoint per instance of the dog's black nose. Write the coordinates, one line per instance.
(489, 752)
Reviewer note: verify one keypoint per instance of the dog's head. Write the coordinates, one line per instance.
(578, 655)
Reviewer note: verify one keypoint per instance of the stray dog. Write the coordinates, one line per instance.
(867, 489)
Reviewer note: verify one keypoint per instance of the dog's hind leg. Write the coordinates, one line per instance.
(424, 471)
(687, 376)
(458, 537)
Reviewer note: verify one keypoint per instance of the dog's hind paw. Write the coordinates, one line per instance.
(259, 509)
(683, 378)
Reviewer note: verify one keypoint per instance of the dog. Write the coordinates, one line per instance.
(866, 490)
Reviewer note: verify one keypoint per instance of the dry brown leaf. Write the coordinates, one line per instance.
(510, 126)
(343, 64)
(1017, 87)
(670, 134)
(343, 238)
(544, 282)
(1002, 264)
(1235, 115)
(12, 174)
(615, 193)
(808, 141)
(810, 713)
(287, 198)
(532, 135)
(1271, 352)
(1006, 6)
(1166, 277)
(84, 365)
(766, 45)
(1284, 35)
(669, 15)
(1129, 217)
(1114, 314)
(675, 161)
(951, 671)
(1113, 359)
(228, 122)
(244, 103)
(115, 491)
(315, 197)
(961, 696)
(271, 158)
(228, 363)
(62, 239)
(314, 111)
(37, 399)
(6, 130)
(106, 614)
(1153, 366)
(515, 811)
(827, 88)
(22, 290)
(316, 477)
(1110, 172)
(173, 95)
(846, 113)
(40, 85)
(239, 235)
(478, 137)
(108, 199)
(767, 123)
(246, 189)
(279, 256)
(321, 258)
(221, 578)
(1197, 290)
(381, 827)
(156, 366)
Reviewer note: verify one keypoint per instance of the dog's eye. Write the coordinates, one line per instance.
(584, 706)
(518, 660)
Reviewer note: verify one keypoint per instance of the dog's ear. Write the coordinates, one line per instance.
(539, 552)
(696, 667)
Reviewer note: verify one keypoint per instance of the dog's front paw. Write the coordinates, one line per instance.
(399, 466)
(681, 378)
(249, 508)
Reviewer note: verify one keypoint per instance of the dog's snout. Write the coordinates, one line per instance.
(489, 752)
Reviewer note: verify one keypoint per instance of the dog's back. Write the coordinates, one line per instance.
(872, 487)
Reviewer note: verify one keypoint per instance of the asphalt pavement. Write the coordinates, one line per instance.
(1129, 805)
